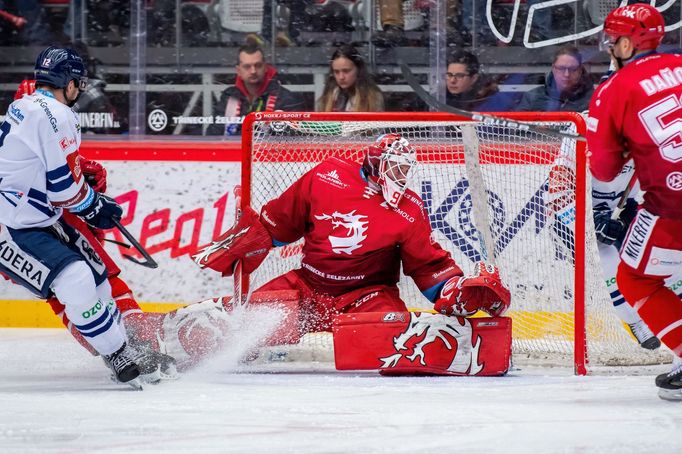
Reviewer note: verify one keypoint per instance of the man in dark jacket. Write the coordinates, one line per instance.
(568, 87)
(468, 88)
(255, 90)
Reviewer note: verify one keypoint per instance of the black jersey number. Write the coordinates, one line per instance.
(4, 130)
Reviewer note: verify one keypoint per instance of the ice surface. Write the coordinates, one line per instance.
(55, 398)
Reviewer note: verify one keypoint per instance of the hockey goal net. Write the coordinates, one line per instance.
(487, 191)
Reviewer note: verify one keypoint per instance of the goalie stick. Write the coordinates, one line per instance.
(240, 294)
(237, 276)
(489, 120)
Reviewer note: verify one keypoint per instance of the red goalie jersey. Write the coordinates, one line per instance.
(353, 238)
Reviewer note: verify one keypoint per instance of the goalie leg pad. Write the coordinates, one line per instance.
(248, 240)
(413, 343)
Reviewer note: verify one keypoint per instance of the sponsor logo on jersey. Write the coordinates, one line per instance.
(401, 213)
(15, 113)
(333, 277)
(665, 79)
(65, 143)
(74, 162)
(663, 262)
(442, 272)
(638, 237)
(51, 118)
(674, 181)
(354, 229)
(414, 199)
(333, 179)
(425, 329)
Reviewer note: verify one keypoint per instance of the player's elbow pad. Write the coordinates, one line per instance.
(248, 242)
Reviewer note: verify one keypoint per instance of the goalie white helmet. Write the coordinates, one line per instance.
(392, 161)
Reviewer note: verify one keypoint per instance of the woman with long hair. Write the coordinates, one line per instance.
(349, 86)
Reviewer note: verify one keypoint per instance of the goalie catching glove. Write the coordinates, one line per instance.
(247, 241)
(465, 295)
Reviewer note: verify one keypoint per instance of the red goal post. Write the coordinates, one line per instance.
(486, 189)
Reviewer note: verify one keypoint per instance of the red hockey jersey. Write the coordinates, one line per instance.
(352, 237)
(639, 110)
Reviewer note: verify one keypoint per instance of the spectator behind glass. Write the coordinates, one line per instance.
(349, 86)
(256, 89)
(467, 88)
(34, 31)
(568, 87)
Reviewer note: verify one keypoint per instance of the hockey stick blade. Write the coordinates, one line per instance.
(148, 262)
(489, 120)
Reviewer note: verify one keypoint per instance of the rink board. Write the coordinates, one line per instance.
(176, 196)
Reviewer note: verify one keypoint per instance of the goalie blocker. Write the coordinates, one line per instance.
(247, 241)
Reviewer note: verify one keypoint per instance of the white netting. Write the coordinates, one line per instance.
(532, 249)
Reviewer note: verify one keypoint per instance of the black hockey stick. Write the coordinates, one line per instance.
(624, 197)
(148, 262)
(117, 243)
(490, 120)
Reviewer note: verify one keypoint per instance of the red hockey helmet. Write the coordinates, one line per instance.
(642, 23)
(391, 160)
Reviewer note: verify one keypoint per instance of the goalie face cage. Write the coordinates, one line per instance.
(489, 195)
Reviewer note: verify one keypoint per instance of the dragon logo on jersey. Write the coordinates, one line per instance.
(354, 227)
(425, 329)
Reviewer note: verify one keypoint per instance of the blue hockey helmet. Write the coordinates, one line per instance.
(56, 66)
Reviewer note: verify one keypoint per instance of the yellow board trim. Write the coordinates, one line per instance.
(38, 314)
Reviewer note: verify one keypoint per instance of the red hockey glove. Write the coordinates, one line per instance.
(247, 240)
(95, 174)
(465, 295)
(26, 87)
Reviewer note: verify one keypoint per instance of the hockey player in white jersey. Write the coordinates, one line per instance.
(40, 176)
(609, 233)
